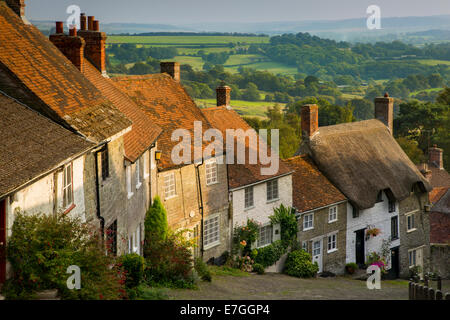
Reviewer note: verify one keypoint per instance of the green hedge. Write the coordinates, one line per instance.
(298, 264)
(269, 255)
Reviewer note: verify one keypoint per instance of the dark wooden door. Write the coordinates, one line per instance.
(359, 247)
(395, 264)
(2, 241)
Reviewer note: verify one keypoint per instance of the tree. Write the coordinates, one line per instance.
(156, 226)
(411, 148)
(251, 92)
(444, 97)
(140, 68)
(363, 109)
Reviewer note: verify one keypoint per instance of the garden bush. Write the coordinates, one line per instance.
(285, 217)
(134, 266)
(202, 270)
(258, 268)
(351, 267)
(269, 255)
(298, 264)
(42, 247)
(156, 226)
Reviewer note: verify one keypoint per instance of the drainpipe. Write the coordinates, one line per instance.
(201, 206)
(97, 194)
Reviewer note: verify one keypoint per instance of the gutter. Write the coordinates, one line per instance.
(202, 250)
(299, 214)
(261, 181)
(97, 190)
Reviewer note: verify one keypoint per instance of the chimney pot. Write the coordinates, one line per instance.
(384, 111)
(96, 25)
(73, 32)
(83, 22)
(223, 96)
(309, 120)
(59, 27)
(171, 68)
(435, 157)
(91, 22)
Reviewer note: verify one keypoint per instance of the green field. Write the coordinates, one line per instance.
(186, 40)
(432, 62)
(245, 108)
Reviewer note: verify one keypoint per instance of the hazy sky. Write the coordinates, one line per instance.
(192, 11)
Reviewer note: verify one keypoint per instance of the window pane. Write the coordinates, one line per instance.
(211, 231)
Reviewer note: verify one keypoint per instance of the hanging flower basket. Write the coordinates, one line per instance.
(372, 232)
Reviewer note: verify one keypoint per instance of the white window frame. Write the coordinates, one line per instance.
(413, 222)
(138, 174)
(68, 186)
(332, 211)
(332, 239)
(211, 172)
(249, 191)
(271, 183)
(412, 255)
(305, 246)
(215, 233)
(128, 180)
(268, 229)
(146, 165)
(169, 191)
(305, 228)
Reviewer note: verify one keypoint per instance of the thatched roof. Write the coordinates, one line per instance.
(361, 159)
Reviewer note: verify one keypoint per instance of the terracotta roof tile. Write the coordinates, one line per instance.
(49, 82)
(310, 188)
(439, 177)
(144, 131)
(167, 103)
(239, 175)
(31, 145)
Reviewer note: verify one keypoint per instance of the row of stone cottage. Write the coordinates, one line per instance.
(77, 142)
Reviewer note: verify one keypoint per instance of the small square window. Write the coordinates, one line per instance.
(211, 232)
(391, 205)
(272, 190)
(169, 185)
(332, 214)
(211, 172)
(249, 197)
(332, 242)
(265, 235)
(411, 223)
(308, 221)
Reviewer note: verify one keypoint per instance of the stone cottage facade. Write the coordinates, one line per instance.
(321, 213)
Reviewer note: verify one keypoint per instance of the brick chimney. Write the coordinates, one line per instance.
(384, 111)
(18, 6)
(171, 68)
(427, 173)
(70, 45)
(94, 50)
(223, 96)
(310, 120)
(435, 158)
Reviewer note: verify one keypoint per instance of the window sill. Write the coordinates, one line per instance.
(130, 194)
(211, 245)
(212, 183)
(308, 229)
(170, 197)
(70, 208)
(332, 221)
(138, 185)
(332, 250)
(272, 200)
(249, 208)
(411, 230)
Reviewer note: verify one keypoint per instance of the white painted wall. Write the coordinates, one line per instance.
(376, 217)
(262, 208)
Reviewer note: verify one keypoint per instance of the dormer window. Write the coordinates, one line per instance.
(380, 196)
(391, 205)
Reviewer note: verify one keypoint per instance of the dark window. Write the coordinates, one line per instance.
(394, 228)
(355, 212)
(391, 205)
(105, 163)
(111, 236)
(380, 196)
(272, 190)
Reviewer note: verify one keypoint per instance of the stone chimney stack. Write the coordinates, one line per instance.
(172, 69)
(95, 50)
(18, 6)
(223, 96)
(384, 111)
(309, 120)
(70, 45)
(435, 157)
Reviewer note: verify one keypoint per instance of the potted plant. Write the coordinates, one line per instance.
(372, 232)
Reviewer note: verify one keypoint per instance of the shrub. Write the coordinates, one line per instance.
(258, 268)
(298, 264)
(134, 266)
(42, 247)
(269, 255)
(244, 263)
(156, 226)
(244, 237)
(415, 271)
(285, 217)
(202, 270)
(351, 267)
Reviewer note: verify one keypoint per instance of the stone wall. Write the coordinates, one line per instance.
(440, 260)
(333, 261)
